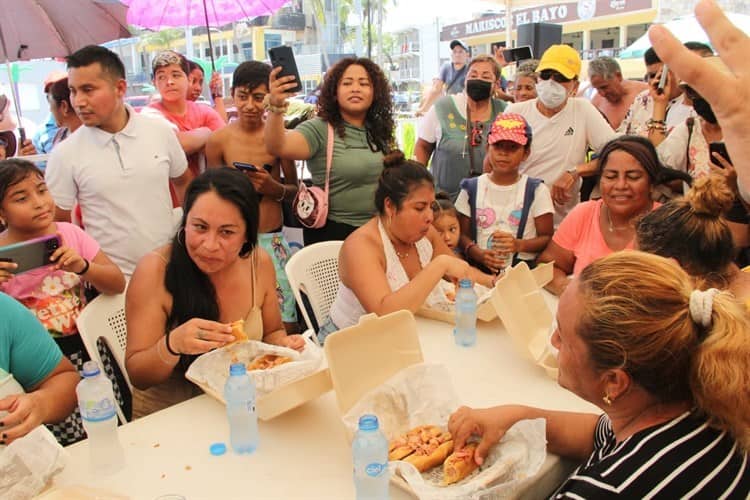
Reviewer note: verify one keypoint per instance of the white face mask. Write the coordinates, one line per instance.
(551, 94)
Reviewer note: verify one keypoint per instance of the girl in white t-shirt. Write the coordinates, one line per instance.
(505, 217)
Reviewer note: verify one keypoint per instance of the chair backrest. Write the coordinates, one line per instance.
(314, 270)
(104, 317)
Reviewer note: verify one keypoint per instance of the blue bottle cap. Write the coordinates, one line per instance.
(237, 369)
(218, 449)
(90, 369)
(465, 283)
(368, 423)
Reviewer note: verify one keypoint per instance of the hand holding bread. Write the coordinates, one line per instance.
(429, 446)
(197, 336)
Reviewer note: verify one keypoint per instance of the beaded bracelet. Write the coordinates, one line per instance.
(279, 110)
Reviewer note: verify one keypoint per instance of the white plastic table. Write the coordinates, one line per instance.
(304, 453)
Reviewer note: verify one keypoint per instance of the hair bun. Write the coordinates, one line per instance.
(442, 195)
(710, 195)
(394, 159)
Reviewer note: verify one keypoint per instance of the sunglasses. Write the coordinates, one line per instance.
(550, 73)
(476, 134)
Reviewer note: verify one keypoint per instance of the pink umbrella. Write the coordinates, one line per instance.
(159, 14)
(33, 29)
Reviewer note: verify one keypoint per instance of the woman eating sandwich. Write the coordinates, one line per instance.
(184, 297)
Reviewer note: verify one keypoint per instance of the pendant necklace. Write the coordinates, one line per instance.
(612, 228)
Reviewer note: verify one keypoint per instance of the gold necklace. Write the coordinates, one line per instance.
(612, 228)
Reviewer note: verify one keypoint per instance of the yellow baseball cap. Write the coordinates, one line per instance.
(561, 58)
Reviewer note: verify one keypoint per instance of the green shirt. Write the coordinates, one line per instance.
(26, 349)
(355, 170)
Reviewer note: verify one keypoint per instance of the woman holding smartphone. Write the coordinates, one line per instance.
(54, 292)
(355, 100)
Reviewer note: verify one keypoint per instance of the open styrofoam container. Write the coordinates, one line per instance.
(286, 397)
(485, 310)
(364, 356)
(520, 304)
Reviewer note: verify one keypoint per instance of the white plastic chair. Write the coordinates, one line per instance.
(104, 317)
(314, 270)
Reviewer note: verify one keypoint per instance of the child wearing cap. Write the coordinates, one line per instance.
(506, 217)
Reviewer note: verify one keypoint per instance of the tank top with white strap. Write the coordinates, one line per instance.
(346, 309)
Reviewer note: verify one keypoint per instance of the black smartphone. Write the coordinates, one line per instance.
(721, 148)
(518, 54)
(30, 254)
(284, 57)
(250, 167)
(245, 167)
(663, 79)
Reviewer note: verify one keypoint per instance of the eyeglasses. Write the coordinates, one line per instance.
(476, 134)
(551, 73)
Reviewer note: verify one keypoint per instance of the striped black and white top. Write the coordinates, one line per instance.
(682, 458)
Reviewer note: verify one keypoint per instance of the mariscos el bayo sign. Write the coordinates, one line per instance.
(556, 13)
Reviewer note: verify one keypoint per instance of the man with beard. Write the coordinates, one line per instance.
(614, 95)
(564, 127)
(242, 142)
(454, 132)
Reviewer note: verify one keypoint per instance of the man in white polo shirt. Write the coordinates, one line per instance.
(118, 166)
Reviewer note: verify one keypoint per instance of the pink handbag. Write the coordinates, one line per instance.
(310, 206)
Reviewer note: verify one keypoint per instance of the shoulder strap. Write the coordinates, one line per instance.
(329, 155)
(456, 76)
(528, 198)
(470, 185)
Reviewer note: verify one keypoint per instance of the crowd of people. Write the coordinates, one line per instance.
(185, 211)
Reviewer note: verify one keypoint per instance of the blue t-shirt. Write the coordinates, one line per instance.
(26, 349)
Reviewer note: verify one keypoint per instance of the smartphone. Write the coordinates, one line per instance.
(284, 57)
(721, 148)
(663, 79)
(518, 54)
(30, 254)
(245, 167)
(250, 167)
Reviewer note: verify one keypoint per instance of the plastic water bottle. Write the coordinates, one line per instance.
(239, 393)
(96, 402)
(370, 455)
(465, 332)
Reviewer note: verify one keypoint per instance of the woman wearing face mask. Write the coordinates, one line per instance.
(563, 128)
(686, 148)
(454, 131)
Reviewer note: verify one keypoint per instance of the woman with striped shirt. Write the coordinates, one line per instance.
(668, 366)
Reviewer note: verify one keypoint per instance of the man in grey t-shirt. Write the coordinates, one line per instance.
(451, 78)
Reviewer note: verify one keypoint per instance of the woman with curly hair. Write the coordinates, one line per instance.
(355, 104)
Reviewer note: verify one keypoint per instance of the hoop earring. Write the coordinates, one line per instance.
(181, 232)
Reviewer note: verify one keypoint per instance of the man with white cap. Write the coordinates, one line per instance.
(564, 127)
(451, 77)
